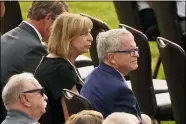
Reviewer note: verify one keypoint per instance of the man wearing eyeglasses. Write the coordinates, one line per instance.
(24, 100)
(106, 87)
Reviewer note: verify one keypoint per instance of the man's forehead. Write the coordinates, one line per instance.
(127, 42)
(127, 38)
(34, 83)
(128, 34)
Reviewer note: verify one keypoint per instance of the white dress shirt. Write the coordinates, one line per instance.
(180, 8)
(39, 35)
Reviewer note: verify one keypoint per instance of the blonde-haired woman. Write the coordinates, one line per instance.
(70, 37)
(86, 117)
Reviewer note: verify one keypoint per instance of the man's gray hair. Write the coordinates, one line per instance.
(109, 41)
(121, 118)
(17, 84)
(39, 9)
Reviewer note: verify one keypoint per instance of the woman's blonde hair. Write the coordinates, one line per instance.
(86, 117)
(66, 27)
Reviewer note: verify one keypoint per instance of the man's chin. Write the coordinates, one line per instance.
(43, 112)
(136, 67)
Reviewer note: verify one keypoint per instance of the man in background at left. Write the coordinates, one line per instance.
(21, 48)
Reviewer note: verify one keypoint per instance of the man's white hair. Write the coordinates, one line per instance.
(109, 41)
(121, 118)
(17, 84)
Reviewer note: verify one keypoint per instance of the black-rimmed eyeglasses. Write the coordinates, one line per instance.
(40, 90)
(131, 51)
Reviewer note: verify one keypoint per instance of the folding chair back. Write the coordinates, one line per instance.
(128, 14)
(75, 103)
(174, 59)
(141, 79)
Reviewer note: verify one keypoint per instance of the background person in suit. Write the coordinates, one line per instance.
(24, 99)
(106, 87)
(148, 20)
(21, 48)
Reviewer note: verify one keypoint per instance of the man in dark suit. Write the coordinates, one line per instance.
(21, 48)
(106, 87)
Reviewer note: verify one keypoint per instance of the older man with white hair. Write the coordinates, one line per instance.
(24, 100)
(106, 87)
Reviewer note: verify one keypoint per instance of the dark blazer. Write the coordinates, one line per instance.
(21, 51)
(107, 91)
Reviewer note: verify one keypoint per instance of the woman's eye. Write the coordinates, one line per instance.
(84, 33)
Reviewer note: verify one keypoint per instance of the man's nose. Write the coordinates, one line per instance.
(137, 54)
(45, 97)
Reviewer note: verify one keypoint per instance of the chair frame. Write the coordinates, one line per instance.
(132, 20)
(81, 98)
(174, 62)
(148, 103)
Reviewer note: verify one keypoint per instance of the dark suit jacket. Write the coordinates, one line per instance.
(107, 91)
(21, 51)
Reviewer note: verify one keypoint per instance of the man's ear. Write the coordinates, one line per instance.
(111, 58)
(48, 16)
(25, 100)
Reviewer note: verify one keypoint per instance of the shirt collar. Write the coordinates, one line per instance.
(39, 35)
(111, 70)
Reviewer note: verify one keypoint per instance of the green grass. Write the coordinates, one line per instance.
(168, 122)
(102, 10)
(154, 55)
(106, 12)
(24, 8)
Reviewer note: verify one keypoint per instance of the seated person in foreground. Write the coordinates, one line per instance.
(24, 100)
(121, 118)
(70, 37)
(86, 117)
(106, 87)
